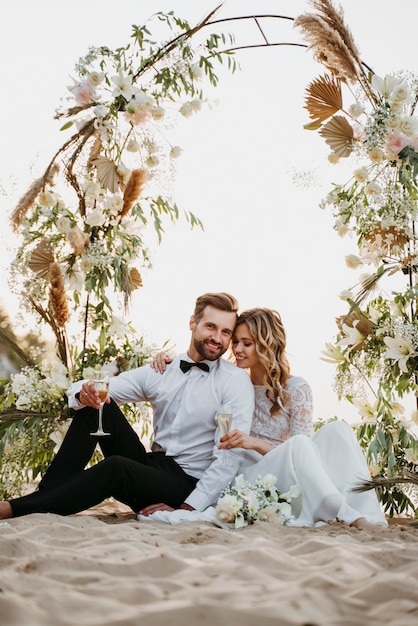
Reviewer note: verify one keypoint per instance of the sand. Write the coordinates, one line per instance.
(104, 567)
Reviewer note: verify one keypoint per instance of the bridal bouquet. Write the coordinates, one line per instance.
(243, 503)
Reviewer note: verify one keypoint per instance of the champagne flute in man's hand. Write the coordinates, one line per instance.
(224, 421)
(101, 384)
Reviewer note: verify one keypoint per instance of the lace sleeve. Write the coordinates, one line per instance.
(300, 408)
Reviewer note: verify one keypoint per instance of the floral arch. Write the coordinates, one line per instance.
(80, 260)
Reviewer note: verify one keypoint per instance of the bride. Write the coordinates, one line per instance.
(325, 465)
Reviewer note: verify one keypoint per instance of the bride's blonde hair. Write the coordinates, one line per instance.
(267, 330)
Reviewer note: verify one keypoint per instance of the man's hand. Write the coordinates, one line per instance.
(89, 396)
(152, 508)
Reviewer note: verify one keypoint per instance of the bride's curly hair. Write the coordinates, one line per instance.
(267, 331)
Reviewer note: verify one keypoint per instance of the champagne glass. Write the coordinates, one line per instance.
(101, 384)
(224, 420)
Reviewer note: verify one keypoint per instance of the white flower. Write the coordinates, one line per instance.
(397, 408)
(408, 125)
(355, 109)
(385, 85)
(186, 109)
(85, 265)
(294, 492)
(361, 175)
(46, 199)
(400, 350)
(352, 261)
(373, 188)
(285, 509)
(114, 204)
(414, 417)
(95, 78)
(376, 155)
(88, 372)
(352, 336)
(400, 95)
(332, 354)
(63, 224)
(227, 508)
(269, 480)
(96, 218)
(91, 188)
(118, 327)
(123, 86)
(366, 409)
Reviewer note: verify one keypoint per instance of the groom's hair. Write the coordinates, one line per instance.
(222, 301)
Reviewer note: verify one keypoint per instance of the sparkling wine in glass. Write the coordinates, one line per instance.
(224, 420)
(101, 384)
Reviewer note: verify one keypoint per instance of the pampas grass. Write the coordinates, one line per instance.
(57, 296)
(133, 190)
(27, 200)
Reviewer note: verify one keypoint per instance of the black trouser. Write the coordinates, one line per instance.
(128, 473)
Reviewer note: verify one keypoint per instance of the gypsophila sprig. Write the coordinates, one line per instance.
(243, 503)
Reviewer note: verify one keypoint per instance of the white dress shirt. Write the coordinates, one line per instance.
(185, 407)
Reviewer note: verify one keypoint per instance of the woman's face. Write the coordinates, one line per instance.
(243, 347)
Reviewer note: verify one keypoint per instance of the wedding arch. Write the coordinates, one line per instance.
(80, 260)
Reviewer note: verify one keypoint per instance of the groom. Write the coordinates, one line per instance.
(185, 468)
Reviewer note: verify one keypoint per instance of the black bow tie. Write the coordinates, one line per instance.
(185, 366)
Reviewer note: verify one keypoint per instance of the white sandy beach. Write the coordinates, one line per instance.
(104, 567)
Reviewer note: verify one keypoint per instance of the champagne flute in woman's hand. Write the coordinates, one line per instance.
(101, 384)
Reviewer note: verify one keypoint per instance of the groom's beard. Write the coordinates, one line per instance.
(210, 354)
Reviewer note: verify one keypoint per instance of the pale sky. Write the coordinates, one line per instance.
(249, 170)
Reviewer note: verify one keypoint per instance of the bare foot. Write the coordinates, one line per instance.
(5, 510)
(363, 524)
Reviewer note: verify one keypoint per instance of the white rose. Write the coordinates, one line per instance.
(269, 480)
(95, 78)
(186, 109)
(157, 112)
(96, 218)
(46, 199)
(401, 95)
(175, 152)
(408, 125)
(268, 514)
(333, 158)
(196, 71)
(63, 224)
(227, 507)
(100, 111)
(361, 174)
(376, 155)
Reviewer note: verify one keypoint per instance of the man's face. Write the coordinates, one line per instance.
(212, 334)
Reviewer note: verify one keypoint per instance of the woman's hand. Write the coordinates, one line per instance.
(237, 439)
(160, 362)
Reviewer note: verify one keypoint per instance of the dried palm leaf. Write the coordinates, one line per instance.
(107, 173)
(135, 279)
(324, 98)
(410, 477)
(95, 151)
(364, 324)
(338, 134)
(41, 258)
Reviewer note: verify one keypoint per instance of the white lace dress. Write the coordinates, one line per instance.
(325, 465)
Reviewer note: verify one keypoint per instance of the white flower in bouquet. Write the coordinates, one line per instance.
(243, 503)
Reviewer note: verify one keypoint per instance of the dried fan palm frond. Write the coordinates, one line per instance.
(57, 296)
(95, 151)
(134, 279)
(133, 189)
(324, 98)
(338, 134)
(364, 324)
(410, 477)
(41, 258)
(107, 173)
